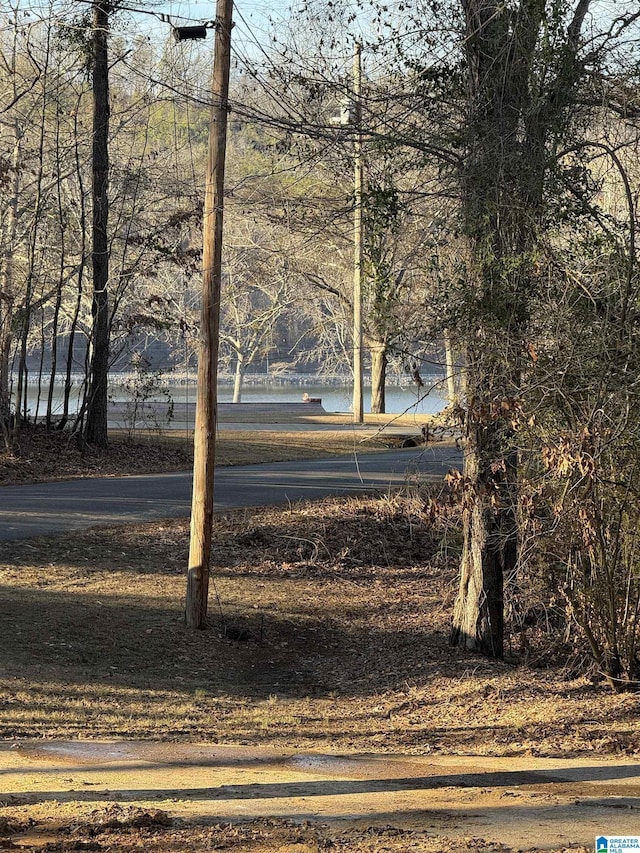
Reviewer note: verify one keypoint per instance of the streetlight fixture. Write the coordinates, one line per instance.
(187, 33)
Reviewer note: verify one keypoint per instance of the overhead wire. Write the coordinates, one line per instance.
(290, 115)
(294, 112)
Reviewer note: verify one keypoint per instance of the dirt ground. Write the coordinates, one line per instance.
(328, 636)
(85, 793)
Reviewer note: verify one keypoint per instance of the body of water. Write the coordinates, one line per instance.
(420, 401)
(334, 398)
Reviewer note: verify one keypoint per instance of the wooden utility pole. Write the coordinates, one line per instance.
(206, 404)
(358, 406)
(96, 424)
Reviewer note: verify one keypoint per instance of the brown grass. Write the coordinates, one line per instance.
(92, 642)
(50, 456)
(328, 631)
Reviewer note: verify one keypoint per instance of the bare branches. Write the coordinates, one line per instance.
(631, 210)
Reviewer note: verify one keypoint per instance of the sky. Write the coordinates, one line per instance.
(252, 17)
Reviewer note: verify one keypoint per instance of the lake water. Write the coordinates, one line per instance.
(335, 398)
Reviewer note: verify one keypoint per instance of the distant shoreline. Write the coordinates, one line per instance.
(172, 378)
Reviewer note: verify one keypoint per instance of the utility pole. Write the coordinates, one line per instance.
(358, 407)
(206, 404)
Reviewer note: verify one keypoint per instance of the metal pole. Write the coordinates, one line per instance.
(358, 406)
(206, 404)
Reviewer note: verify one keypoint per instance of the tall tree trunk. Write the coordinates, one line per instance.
(512, 130)
(7, 278)
(502, 181)
(96, 423)
(379, 361)
(32, 251)
(80, 281)
(59, 290)
(7, 285)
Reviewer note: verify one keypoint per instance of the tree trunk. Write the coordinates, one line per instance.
(503, 176)
(7, 284)
(96, 424)
(238, 378)
(379, 363)
(7, 279)
(33, 261)
(59, 290)
(452, 395)
(489, 553)
(80, 284)
(5, 352)
(358, 407)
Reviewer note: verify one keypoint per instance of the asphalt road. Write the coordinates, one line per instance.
(44, 508)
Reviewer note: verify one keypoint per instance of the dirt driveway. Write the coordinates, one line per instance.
(518, 802)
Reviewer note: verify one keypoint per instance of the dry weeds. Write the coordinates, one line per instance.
(329, 627)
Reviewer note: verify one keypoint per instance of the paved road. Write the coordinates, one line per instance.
(40, 509)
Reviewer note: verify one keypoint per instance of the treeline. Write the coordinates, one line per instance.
(500, 226)
(288, 257)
